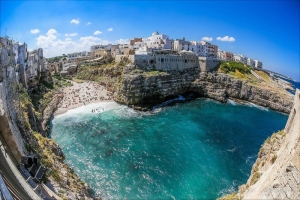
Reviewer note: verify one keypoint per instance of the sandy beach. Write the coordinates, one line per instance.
(82, 94)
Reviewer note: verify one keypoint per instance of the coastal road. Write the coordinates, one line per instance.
(11, 181)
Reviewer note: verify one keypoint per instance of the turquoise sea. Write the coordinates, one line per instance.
(198, 149)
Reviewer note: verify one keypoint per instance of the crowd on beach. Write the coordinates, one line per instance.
(80, 94)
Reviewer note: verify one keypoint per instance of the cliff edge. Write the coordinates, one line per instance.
(276, 172)
(146, 89)
(280, 175)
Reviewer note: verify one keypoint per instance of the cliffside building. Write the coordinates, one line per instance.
(165, 60)
(224, 55)
(100, 46)
(78, 55)
(158, 41)
(69, 68)
(181, 44)
(27, 64)
(240, 58)
(250, 62)
(35, 63)
(257, 64)
(206, 49)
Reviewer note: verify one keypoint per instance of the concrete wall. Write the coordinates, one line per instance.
(207, 64)
(164, 62)
(99, 53)
(176, 62)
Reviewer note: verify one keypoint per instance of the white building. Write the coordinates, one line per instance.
(204, 49)
(240, 58)
(180, 45)
(66, 66)
(35, 63)
(221, 55)
(124, 49)
(100, 46)
(78, 55)
(143, 51)
(250, 62)
(257, 64)
(138, 45)
(158, 41)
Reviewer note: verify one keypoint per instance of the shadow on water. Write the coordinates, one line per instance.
(172, 100)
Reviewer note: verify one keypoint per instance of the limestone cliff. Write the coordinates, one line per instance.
(148, 88)
(106, 75)
(276, 172)
(48, 111)
(220, 87)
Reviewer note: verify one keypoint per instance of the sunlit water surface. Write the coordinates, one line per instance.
(199, 149)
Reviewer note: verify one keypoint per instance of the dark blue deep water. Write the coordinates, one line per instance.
(199, 149)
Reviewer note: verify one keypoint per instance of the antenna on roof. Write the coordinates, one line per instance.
(5, 32)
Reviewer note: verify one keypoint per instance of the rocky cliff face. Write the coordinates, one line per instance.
(47, 113)
(146, 89)
(108, 76)
(220, 87)
(276, 172)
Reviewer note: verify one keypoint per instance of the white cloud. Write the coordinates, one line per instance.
(53, 46)
(122, 41)
(97, 32)
(70, 34)
(75, 21)
(51, 31)
(110, 29)
(226, 39)
(89, 23)
(34, 31)
(208, 39)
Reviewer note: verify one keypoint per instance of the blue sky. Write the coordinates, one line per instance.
(264, 30)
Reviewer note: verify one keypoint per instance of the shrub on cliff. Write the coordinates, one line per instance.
(232, 66)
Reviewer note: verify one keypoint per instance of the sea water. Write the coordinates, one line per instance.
(199, 149)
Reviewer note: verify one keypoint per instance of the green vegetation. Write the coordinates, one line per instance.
(255, 178)
(154, 73)
(232, 66)
(56, 59)
(104, 71)
(263, 75)
(42, 93)
(271, 140)
(42, 146)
